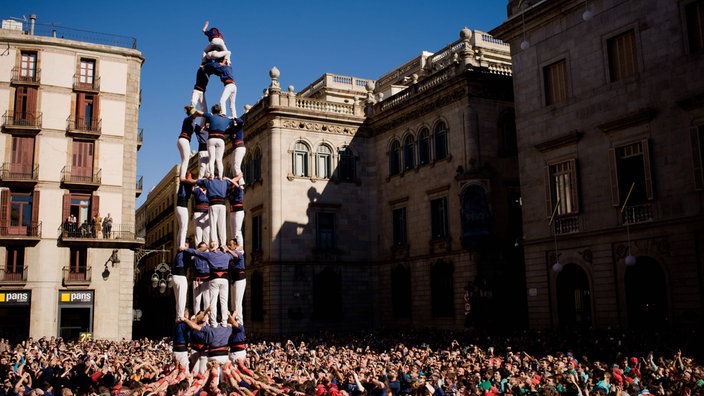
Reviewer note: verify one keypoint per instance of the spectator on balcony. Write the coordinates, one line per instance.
(107, 226)
(98, 226)
(86, 229)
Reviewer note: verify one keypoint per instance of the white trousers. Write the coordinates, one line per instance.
(201, 291)
(182, 221)
(184, 148)
(216, 149)
(229, 92)
(198, 100)
(236, 220)
(236, 297)
(239, 355)
(218, 224)
(237, 162)
(218, 295)
(199, 360)
(203, 160)
(182, 359)
(180, 295)
(201, 222)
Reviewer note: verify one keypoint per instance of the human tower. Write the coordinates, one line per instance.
(217, 262)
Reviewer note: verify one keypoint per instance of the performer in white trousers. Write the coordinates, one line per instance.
(235, 199)
(184, 140)
(238, 279)
(237, 134)
(216, 47)
(218, 126)
(180, 282)
(200, 286)
(183, 195)
(201, 214)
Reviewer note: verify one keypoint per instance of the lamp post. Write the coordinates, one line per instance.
(161, 278)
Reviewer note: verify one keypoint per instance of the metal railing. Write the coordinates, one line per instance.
(80, 175)
(19, 172)
(566, 225)
(140, 137)
(33, 230)
(9, 276)
(638, 214)
(93, 85)
(20, 75)
(91, 126)
(86, 230)
(74, 276)
(22, 119)
(57, 31)
(140, 183)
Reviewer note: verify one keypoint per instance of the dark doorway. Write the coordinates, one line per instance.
(573, 297)
(646, 294)
(74, 321)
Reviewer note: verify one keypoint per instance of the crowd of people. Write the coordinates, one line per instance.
(419, 363)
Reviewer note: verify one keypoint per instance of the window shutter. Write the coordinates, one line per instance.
(646, 170)
(31, 102)
(614, 177)
(548, 196)
(35, 208)
(575, 186)
(80, 107)
(96, 110)
(4, 210)
(66, 210)
(95, 205)
(697, 157)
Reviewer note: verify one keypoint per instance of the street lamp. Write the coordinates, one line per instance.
(161, 278)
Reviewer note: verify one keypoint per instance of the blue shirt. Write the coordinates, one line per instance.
(217, 189)
(218, 123)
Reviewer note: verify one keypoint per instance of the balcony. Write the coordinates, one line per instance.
(84, 127)
(120, 236)
(140, 138)
(566, 225)
(21, 235)
(19, 174)
(25, 77)
(71, 277)
(138, 187)
(643, 213)
(22, 121)
(86, 84)
(81, 177)
(10, 277)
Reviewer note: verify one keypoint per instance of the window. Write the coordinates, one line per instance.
(247, 168)
(256, 236)
(440, 140)
(395, 158)
(82, 161)
(409, 153)
(22, 158)
(438, 218)
(28, 66)
(78, 264)
(631, 175)
(25, 106)
(325, 230)
(347, 166)
(19, 214)
(555, 80)
(87, 112)
(257, 165)
(78, 210)
(622, 56)
(694, 12)
(697, 137)
(86, 73)
(323, 161)
(561, 180)
(300, 159)
(509, 139)
(14, 265)
(399, 226)
(423, 147)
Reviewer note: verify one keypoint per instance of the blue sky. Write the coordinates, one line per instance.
(303, 39)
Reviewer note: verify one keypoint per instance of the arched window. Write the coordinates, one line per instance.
(395, 158)
(300, 159)
(440, 140)
(257, 165)
(409, 153)
(323, 162)
(423, 147)
(347, 167)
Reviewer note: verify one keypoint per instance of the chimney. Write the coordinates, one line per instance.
(32, 19)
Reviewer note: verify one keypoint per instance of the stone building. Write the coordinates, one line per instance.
(385, 203)
(610, 119)
(70, 137)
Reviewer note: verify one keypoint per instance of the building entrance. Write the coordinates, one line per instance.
(75, 313)
(14, 315)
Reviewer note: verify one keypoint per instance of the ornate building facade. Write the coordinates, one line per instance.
(610, 116)
(70, 137)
